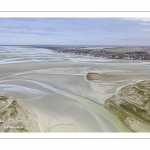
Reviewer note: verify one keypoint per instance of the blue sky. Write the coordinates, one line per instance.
(75, 31)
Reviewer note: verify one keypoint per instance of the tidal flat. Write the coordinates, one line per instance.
(45, 91)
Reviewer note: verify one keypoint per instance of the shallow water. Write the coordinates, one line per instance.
(56, 108)
(28, 94)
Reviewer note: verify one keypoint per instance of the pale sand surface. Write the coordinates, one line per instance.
(55, 89)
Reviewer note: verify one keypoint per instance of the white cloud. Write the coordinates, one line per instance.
(147, 30)
(146, 23)
(137, 19)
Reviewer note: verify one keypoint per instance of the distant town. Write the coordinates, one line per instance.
(113, 53)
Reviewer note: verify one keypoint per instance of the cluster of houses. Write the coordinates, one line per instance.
(107, 54)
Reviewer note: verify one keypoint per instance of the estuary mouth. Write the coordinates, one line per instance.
(16, 116)
(45, 91)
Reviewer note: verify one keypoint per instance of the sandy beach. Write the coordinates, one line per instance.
(58, 92)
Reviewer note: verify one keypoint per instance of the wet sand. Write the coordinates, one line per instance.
(54, 88)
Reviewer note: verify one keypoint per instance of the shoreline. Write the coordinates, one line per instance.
(60, 113)
(105, 53)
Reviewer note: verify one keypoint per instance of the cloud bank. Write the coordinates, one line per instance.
(74, 31)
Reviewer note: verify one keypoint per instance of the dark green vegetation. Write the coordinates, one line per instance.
(132, 105)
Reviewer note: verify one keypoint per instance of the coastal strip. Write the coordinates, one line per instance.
(127, 53)
(131, 104)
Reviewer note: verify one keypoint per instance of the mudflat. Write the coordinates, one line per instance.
(55, 92)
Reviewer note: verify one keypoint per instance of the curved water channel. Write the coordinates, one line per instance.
(21, 61)
(91, 104)
(87, 102)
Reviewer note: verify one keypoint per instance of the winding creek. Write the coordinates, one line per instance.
(87, 102)
(49, 90)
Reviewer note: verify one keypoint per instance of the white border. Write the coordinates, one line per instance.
(96, 135)
(74, 5)
(75, 14)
